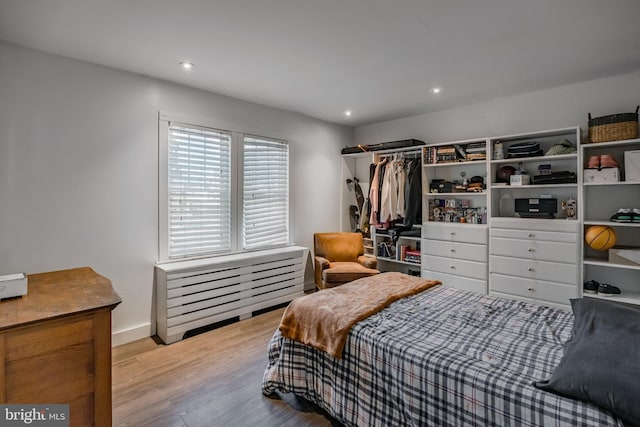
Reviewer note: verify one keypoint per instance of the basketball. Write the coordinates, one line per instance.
(600, 237)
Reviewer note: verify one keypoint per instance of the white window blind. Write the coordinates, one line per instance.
(199, 191)
(265, 213)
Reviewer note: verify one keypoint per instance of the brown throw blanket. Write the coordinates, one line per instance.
(323, 319)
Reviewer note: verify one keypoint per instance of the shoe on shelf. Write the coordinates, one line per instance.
(606, 290)
(594, 162)
(591, 287)
(623, 215)
(635, 215)
(608, 161)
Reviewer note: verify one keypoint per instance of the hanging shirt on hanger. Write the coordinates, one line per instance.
(389, 197)
(374, 193)
(401, 177)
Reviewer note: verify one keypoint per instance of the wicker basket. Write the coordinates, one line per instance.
(615, 127)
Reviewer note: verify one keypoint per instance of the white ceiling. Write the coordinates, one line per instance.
(378, 58)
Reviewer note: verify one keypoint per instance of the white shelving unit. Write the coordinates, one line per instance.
(535, 259)
(600, 202)
(455, 252)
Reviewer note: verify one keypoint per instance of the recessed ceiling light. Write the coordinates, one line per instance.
(435, 90)
(187, 65)
(347, 113)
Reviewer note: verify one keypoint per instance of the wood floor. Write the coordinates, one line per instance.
(212, 379)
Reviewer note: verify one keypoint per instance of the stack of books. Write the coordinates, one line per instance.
(476, 151)
(412, 256)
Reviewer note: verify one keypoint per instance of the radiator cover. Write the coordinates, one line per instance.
(192, 294)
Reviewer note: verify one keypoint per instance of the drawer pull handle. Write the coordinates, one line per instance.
(530, 234)
(453, 267)
(530, 289)
(531, 250)
(530, 269)
(453, 250)
(453, 233)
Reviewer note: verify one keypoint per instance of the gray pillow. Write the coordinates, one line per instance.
(601, 361)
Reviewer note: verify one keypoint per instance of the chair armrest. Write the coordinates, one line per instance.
(320, 264)
(367, 261)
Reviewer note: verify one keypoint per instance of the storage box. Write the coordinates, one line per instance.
(602, 175)
(519, 180)
(13, 285)
(632, 165)
(627, 255)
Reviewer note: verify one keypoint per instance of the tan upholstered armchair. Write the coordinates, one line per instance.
(339, 258)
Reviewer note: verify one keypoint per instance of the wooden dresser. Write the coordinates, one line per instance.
(55, 344)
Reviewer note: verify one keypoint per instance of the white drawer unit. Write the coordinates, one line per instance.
(535, 260)
(455, 233)
(456, 255)
(476, 270)
(468, 251)
(535, 249)
(558, 293)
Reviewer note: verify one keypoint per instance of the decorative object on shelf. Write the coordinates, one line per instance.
(504, 173)
(564, 147)
(614, 127)
(498, 151)
(521, 177)
(600, 237)
(569, 208)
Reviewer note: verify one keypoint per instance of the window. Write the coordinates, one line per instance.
(220, 191)
(199, 191)
(265, 201)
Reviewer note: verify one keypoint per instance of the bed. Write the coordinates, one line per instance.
(441, 357)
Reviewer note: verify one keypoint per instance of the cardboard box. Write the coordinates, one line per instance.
(519, 180)
(627, 255)
(632, 165)
(602, 175)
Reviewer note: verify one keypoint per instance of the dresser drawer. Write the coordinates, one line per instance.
(535, 235)
(455, 233)
(458, 282)
(534, 249)
(535, 289)
(562, 226)
(534, 269)
(476, 270)
(467, 251)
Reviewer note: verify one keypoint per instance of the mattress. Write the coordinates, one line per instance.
(444, 357)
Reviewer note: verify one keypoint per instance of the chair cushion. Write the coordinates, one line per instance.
(343, 272)
(342, 247)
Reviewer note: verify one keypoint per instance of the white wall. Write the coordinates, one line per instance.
(78, 170)
(560, 107)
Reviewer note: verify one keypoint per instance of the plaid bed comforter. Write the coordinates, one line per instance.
(444, 357)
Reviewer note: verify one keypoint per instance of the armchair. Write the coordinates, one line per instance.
(339, 258)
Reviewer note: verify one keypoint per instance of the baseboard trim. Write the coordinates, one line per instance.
(131, 334)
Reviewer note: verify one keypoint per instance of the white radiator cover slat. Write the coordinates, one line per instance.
(192, 294)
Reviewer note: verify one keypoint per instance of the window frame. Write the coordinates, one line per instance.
(237, 183)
